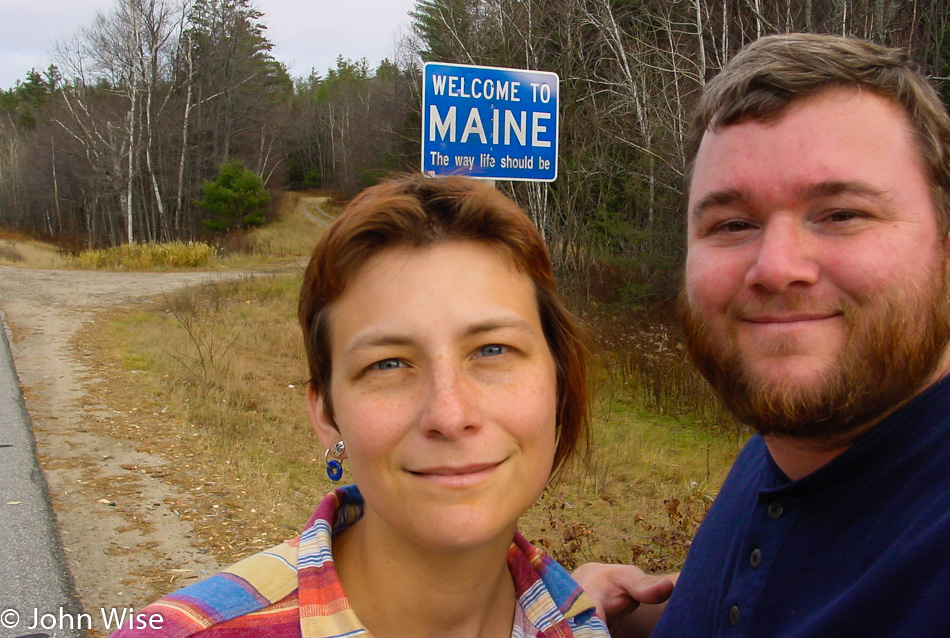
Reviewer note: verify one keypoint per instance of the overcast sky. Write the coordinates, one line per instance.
(306, 33)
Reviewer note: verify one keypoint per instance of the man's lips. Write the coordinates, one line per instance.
(781, 318)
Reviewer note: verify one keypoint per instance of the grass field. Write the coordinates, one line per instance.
(280, 244)
(223, 369)
(25, 252)
(215, 379)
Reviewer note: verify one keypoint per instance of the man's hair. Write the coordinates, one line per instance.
(416, 212)
(768, 75)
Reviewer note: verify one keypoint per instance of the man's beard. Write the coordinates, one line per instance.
(890, 352)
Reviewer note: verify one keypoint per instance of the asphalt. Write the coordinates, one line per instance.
(37, 598)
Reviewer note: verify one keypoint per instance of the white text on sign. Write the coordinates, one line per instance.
(505, 126)
(489, 122)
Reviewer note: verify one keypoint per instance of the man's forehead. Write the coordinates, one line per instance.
(818, 131)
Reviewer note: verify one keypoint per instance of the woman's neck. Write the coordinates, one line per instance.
(400, 590)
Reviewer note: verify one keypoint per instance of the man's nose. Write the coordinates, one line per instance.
(785, 257)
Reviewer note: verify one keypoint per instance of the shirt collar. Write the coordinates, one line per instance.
(546, 593)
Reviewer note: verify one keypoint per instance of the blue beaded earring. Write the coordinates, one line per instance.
(334, 467)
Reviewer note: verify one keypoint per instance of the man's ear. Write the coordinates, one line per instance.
(326, 431)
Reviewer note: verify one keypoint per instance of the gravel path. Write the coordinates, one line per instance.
(109, 545)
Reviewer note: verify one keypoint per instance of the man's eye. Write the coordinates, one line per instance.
(842, 216)
(491, 350)
(735, 226)
(387, 364)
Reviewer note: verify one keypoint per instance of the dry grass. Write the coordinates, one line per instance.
(213, 379)
(222, 367)
(640, 498)
(176, 254)
(25, 252)
(223, 363)
(300, 220)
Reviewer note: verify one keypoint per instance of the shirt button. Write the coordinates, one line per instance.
(734, 616)
(775, 510)
(756, 558)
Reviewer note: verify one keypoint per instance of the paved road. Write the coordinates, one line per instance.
(34, 579)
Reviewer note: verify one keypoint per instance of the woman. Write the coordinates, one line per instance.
(447, 374)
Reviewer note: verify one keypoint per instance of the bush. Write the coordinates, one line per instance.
(11, 254)
(144, 256)
(237, 199)
(313, 179)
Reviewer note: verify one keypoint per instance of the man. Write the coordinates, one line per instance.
(815, 301)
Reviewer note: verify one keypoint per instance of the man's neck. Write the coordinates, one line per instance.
(798, 458)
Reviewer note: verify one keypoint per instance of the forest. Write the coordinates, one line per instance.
(113, 142)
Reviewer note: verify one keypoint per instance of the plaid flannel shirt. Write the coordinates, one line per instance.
(292, 591)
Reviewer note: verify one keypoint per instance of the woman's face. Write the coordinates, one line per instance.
(444, 391)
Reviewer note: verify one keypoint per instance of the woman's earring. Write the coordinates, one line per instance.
(334, 467)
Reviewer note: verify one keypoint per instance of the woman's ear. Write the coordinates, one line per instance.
(326, 431)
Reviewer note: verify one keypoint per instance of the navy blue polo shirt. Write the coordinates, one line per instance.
(860, 547)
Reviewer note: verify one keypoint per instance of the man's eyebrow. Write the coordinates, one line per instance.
(836, 187)
(723, 197)
(729, 196)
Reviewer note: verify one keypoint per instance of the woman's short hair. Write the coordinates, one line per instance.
(416, 211)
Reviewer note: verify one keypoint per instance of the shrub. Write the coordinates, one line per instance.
(176, 254)
(313, 179)
(236, 199)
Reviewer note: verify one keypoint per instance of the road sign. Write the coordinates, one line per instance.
(489, 122)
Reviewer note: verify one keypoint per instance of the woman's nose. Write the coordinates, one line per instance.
(450, 408)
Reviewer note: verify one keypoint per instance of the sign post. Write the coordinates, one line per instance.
(489, 123)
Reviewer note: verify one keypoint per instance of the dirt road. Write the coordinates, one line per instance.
(116, 511)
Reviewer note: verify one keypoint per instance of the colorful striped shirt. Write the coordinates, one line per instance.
(293, 591)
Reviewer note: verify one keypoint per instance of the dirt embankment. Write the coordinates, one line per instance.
(126, 526)
(116, 509)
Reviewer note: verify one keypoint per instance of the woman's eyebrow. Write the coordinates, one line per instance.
(383, 339)
(498, 324)
(375, 340)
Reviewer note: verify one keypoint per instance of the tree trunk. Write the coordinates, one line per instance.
(130, 178)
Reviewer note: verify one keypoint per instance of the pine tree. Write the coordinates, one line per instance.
(237, 199)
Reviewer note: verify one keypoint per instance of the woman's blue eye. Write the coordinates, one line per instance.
(492, 350)
(387, 364)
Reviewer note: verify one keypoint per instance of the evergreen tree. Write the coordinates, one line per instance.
(237, 199)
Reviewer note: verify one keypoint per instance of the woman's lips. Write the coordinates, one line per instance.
(456, 476)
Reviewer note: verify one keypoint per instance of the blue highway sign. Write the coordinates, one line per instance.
(489, 123)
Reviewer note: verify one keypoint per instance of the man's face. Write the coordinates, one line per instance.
(815, 295)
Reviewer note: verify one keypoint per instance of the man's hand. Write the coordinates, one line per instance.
(619, 590)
